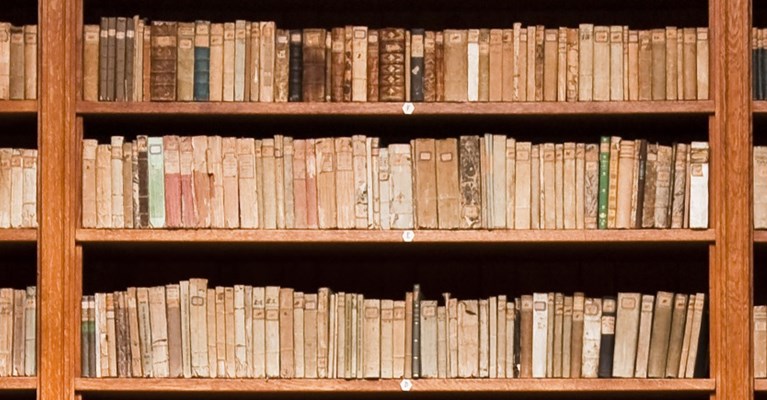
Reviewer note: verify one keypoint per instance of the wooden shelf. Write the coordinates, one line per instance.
(760, 385)
(393, 109)
(18, 235)
(18, 383)
(374, 236)
(760, 107)
(18, 107)
(393, 385)
(760, 236)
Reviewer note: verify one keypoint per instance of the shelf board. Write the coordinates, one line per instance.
(378, 236)
(760, 107)
(18, 383)
(154, 385)
(393, 109)
(18, 107)
(760, 385)
(18, 235)
(760, 236)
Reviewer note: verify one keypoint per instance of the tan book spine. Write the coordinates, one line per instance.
(133, 329)
(538, 62)
(231, 192)
(146, 64)
(103, 187)
(510, 167)
(253, 61)
(349, 62)
(323, 340)
(344, 183)
(241, 33)
(216, 62)
(661, 329)
(386, 338)
(300, 211)
(702, 63)
(17, 63)
(425, 183)
(676, 335)
(663, 186)
(439, 56)
(384, 187)
(509, 63)
(202, 187)
(626, 160)
(602, 63)
(592, 316)
(186, 340)
(536, 187)
(612, 191)
(373, 68)
(526, 337)
(679, 64)
(259, 333)
(441, 342)
(644, 335)
(17, 186)
(687, 336)
(585, 62)
(671, 63)
(645, 65)
(567, 335)
(572, 48)
(216, 174)
(530, 57)
(483, 81)
(557, 340)
(198, 327)
(658, 40)
(266, 89)
(408, 359)
(30, 62)
(484, 338)
(281, 65)
(309, 335)
(5, 58)
(522, 186)
(500, 333)
(6, 187)
(272, 331)
(287, 176)
(495, 81)
(548, 190)
(221, 332)
(468, 336)
(486, 180)
(562, 64)
(89, 185)
(580, 186)
(229, 61)
(576, 338)
(240, 357)
(402, 190)
(173, 299)
(246, 176)
(679, 182)
(279, 180)
(230, 349)
(159, 327)
(268, 175)
(326, 183)
(359, 63)
(371, 353)
(550, 65)
(90, 62)
(695, 336)
(456, 65)
(373, 189)
(210, 317)
(299, 347)
(360, 181)
(522, 65)
(760, 341)
(286, 363)
(17, 368)
(616, 63)
(497, 164)
(626, 334)
(398, 339)
(185, 62)
(690, 72)
(569, 210)
(311, 184)
(633, 65)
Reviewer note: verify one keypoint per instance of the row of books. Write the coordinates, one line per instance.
(129, 59)
(759, 62)
(191, 330)
(18, 188)
(18, 62)
(18, 332)
(490, 181)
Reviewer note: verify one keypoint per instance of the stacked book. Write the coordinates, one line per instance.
(759, 62)
(18, 62)
(189, 330)
(487, 182)
(18, 188)
(129, 59)
(18, 332)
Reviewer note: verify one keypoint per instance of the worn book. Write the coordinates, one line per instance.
(163, 61)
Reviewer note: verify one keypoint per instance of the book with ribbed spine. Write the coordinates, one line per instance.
(202, 61)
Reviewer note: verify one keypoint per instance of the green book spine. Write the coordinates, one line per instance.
(157, 184)
(604, 180)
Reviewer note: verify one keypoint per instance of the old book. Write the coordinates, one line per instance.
(309, 336)
(6, 327)
(230, 182)
(607, 341)
(536, 187)
(16, 86)
(570, 74)
(221, 331)
(30, 331)
(679, 63)
(17, 185)
(216, 79)
(416, 70)
(472, 53)
(510, 48)
(658, 43)
(253, 60)
(456, 65)
(495, 80)
(702, 63)
(645, 65)
(127, 183)
(633, 65)
(557, 339)
(603, 182)
(612, 187)
(562, 64)
(359, 160)
(160, 335)
(386, 335)
(119, 59)
(216, 176)
(268, 176)
(698, 178)
(174, 330)
(230, 61)
(616, 63)
(6, 187)
(246, 183)
(29, 191)
(202, 184)
(344, 183)
(5, 58)
(567, 335)
(592, 316)
(122, 335)
(391, 82)
(626, 331)
(580, 186)
(281, 65)
(659, 340)
(483, 66)
(401, 208)
(259, 332)
(89, 185)
(185, 64)
(337, 64)
(538, 61)
(228, 358)
(624, 185)
(295, 65)
(520, 44)
(313, 63)
(197, 326)
(497, 168)
(85, 345)
(548, 189)
(439, 56)
(760, 341)
(373, 61)
(90, 62)
(241, 32)
(323, 339)
(663, 186)
(266, 59)
(644, 336)
(509, 182)
(671, 63)
(522, 186)
(469, 181)
(452, 335)
(171, 164)
(468, 336)
(103, 186)
(486, 179)
(690, 73)
(116, 148)
(425, 183)
(17, 345)
(146, 63)
(601, 63)
(326, 183)
(676, 335)
(527, 327)
(448, 193)
(686, 336)
(371, 355)
(585, 62)
(695, 365)
(239, 346)
(565, 163)
(272, 331)
(163, 61)
(300, 212)
(484, 338)
(531, 64)
(650, 172)
(286, 364)
(201, 86)
(30, 62)
(679, 183)
(311, 184)
(550, 65)
(348, 62)
(145, 332)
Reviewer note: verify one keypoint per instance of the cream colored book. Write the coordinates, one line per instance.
(387, 337)
(536, 187)
(216, 173)
(633, 65)
(699, 157)
(451, 311)
(500, 333)
(159, 336)
(359, 63)
(531, 57)
(509, 63)
(429, 337)
(309, 336)
(230, 345)
(398, 339)
(198, 336)
(279, 180)
(626, 334)
(697, 326)
(266, 59)
(558, 338)
(592, 318)
(550, 65)
(511, 339)
(89, 185)
(540, 332)
(229, 61)
(520, 61)
(373, 187)
(548, 186)
(360, 171)
(702, 63)
(240, 358)
(185, 62)
(289, 205)
(492, 317)
(240, 38)
(332, 336)
(687, 337)
(562, 64)
(345, 187)
(559, 186)
(298, 335)
(484, 339)
(643, 337)
(401, 207)
(287, 365)
(230, 181)
(442, 342)
(522, 186)
(567, 335)
(472, 53)
(616, 63)
(221, 331)
(671, 63)
(272, 330)
(259, 333)
(468, 339)
(624, 185)
(570, 191)
(760, 341)
(371, 339)
(585, 62)
(246, 176)
(323, 299)
(550, 329)
(602, 63)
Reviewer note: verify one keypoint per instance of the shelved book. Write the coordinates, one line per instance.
(131, 59)
(18, 62)
(759, 63)
(18, 188)
(18, 332)
(760, 187)
(472, 182)
(760, 341)
(192, 330)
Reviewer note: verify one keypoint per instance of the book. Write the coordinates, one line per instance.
(607, 341)
(659, 339)
(626, 334)
(163, 61)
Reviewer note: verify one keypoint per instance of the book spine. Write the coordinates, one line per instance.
(417, 65)
(607, 341)
(295, 63)
(163, 61)
(604, 181)
(202, 61)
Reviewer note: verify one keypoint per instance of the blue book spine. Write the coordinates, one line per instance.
(202, 73)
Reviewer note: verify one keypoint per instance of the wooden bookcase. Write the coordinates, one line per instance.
(72, 261)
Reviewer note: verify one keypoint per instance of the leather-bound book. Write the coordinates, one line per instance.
(216, 176)
(371, 339)
(216, 87)
(17, 344)
(425, 183)
(123, 335)
(604, 181)
(663, 186)
(146, 64)
(348, 62)
(5, 58)
(202, 61)
(416, 64)
(645, 65)
(185, 62)
(85, 345)
(607, 341)
(439, 56)
(103, 53)
(526, 337)
(391, 83)
(612, 191)
(111, 49)
(142, 144)
(469, 181)
(120, 39)
(678, 185)
(586, 62)
(337, 64)
(540, 332)
(538, 61)
(281, 65)
(313, 73)
(127, 184)
(650, 171)
(171, 162)
(372, 65)
(163, 64)
(295, 66)
(661, 329)
(90, 62)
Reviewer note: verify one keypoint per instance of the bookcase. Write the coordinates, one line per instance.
(72, 261)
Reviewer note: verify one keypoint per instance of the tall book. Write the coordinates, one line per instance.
(456, 65)
(201, 87)
(585, 62)
(592, 320)
(607, 341)
(425, 183)
(391, 83)
(659, 340)
(163, 61)
(626, 334)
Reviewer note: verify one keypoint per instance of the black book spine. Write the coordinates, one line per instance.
(111, 58)
(754, 67)
(416, 331)
(607, 341)
(296, 67)
(762, 73)
(143, 182)
(641, 182)
(103, 53)
(416, 64)
(517, 339)
(701, 359)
